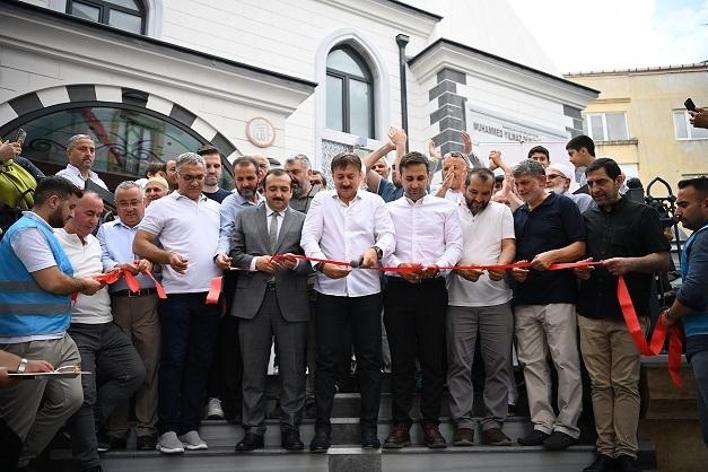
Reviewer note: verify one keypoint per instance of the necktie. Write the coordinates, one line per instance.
(273, 232)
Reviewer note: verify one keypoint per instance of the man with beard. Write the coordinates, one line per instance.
(300, 170)
(479, 308)
(212, 157)
(81, 152)
(558, 179)
(36, 279)
(427, 234)
(691, 304)
(377, 180)
(225, 395)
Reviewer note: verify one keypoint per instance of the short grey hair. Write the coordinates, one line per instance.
(299, 157)
(188, 158)
(127, 185)
(528, 168)
(75, 139)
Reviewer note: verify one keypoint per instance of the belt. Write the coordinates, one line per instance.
(140, 293)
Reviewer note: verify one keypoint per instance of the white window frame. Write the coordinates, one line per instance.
(586, 116)
(689, 126)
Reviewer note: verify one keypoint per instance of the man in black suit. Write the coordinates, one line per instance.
(272, 301)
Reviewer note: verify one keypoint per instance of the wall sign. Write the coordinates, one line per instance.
(260, 132)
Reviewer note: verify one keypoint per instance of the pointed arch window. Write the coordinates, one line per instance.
(350, 93)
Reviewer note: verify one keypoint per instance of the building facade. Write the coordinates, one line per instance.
(151, 78)
(640, 119)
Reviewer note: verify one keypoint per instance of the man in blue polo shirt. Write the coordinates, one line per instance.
(36, 279)
(549, 229)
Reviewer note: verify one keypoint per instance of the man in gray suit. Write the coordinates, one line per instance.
(273, 301)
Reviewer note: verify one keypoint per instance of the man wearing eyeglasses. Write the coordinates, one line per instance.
(181, 232)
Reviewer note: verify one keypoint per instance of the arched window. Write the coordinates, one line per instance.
(350, 93)
(128, 15)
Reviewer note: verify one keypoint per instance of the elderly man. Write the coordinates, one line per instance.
(171, 174)
(479, 310)
(427, 233)
(548, 229)
(155, 188)
(185, 246)
(629, 237)
(558, 179)
(273, 303)
(263, 168)
(300, 170)
(103, 346)
(36, 278)
(212, 157)
(454, 171)
(134, 312)
(81, 152)
(344, 224)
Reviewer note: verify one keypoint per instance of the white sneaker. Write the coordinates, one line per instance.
(214, 410)
(192, 441)
(169, 444)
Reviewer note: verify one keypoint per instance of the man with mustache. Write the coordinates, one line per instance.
(479, 310)
(273, 302)
(347, 224)
(36, 278)
(134, 312)
(300, 170)
(628, 236)
(81, 152)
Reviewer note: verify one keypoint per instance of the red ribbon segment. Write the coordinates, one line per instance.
(113, 276)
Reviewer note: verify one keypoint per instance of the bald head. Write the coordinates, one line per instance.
(86, 215)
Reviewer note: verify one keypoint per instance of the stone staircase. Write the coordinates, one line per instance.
(346, 456)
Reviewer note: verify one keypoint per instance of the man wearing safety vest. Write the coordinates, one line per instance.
(691, 303)
(36, 279)
(628, 238)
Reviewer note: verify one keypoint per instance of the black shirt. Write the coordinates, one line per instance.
(630, 229)
(217, 196)
(554, 224)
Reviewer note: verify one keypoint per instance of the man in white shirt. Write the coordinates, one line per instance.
(428, 239)
(454, 171)
(181, 232)
(347, 224)
(479, 308)
(105, 350)
(81, 152)
(558, 180)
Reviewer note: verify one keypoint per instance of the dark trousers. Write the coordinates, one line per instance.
(189, 329)
(118, 372)
(414, 315)
(362, 316)
(10, 447)
(699, 364)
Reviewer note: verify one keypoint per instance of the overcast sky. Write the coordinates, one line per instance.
(584, 35)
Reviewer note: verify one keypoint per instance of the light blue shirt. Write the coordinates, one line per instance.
(117, 248)
(230, 208)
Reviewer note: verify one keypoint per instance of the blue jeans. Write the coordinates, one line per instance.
(189, 329)
(699, 363)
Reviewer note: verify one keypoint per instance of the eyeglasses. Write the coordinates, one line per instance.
(192, 178)
(554, 176)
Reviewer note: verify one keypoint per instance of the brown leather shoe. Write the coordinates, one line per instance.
(398, 438)
(432, 437)
(464, 437)
(495, 437)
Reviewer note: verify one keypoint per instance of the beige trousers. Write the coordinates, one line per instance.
(542, 330)
(612, 361)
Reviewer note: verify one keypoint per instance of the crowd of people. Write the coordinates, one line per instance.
(320, 273)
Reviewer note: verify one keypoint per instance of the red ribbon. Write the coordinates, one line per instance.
(212, 297)
(109, 278)
(658, 337)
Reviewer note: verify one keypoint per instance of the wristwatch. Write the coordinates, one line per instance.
(379, 252)
(23, 366)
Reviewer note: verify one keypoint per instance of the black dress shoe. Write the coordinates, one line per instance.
(320, 443)
(627, 463)
(369, 439)
(534, 438)
(602, 463)
(146, 443)
(290, 440)
(558, 441)
(250, 442)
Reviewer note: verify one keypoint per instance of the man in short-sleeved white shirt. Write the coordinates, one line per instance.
(185, 224)
(479, 308)
(81, 152)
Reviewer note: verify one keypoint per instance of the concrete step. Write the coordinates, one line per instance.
(479, 458)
